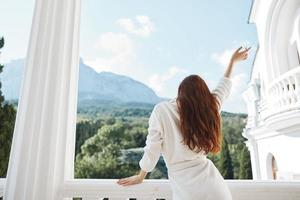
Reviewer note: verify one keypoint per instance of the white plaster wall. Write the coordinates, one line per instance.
(262, 23)
(275, 22)
(285, 149)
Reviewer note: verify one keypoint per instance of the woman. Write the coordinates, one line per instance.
(184, 130)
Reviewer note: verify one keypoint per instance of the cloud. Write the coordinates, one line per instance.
(222, 58)
(239, 82)
(158, 81)
(115, 43)
(235, 102)
(116, 53)
(141, 26)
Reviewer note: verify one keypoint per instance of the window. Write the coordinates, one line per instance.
(134, 55)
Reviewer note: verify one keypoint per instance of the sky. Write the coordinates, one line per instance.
(155, 42)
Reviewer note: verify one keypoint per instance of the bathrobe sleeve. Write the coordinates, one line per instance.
(153, 148)
(223, 89)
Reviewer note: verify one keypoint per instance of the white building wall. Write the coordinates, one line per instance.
(285, 150)
(273, 94)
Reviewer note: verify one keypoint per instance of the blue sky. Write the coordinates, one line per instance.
(155, 42)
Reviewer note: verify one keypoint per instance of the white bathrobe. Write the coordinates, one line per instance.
(192, 175)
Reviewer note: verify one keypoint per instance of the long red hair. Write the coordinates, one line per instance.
(200, 121)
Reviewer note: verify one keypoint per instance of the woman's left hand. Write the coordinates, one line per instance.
(132, 180)
(240, 54)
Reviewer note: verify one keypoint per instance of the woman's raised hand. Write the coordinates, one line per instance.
(240, 54)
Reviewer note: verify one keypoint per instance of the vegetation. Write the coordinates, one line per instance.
(245, 165)
(7, 116)
(109, 144)
(225, 162)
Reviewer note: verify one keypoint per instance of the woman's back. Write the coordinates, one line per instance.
(191, 174)
(184, 131)
(164, 134)
(173, 149)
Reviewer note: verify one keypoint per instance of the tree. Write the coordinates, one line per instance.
(7, 116)
(245, 164)
(99, 156)
(225, 162)
(85, 130)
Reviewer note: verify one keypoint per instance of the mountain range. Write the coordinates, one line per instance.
(92, 86)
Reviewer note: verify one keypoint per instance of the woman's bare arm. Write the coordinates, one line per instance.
(237, 56)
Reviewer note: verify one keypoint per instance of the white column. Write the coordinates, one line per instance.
(44, 137)
(252, 146)
(251, 96)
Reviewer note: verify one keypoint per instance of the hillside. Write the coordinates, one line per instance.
(93, 87)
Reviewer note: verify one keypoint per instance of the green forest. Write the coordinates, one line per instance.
(7, 121)
(110, 140)
(110, 137)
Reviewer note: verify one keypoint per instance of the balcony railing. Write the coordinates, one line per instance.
(262, 109)
(285, 92)
(96, 189)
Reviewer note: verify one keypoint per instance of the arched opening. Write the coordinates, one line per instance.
(293, 51)
(282, 56)
(272, 168)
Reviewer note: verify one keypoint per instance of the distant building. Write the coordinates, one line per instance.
(273, 93)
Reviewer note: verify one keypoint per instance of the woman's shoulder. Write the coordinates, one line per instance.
(166, 104)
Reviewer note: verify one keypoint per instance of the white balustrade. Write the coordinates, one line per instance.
(262, 108)
(99, 189)
(160, 189)
(284, 92)
(262, 113)
(150, 189)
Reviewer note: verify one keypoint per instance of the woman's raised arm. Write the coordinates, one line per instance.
(237, 56)
(222, 90)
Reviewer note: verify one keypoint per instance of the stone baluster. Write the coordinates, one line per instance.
(297, 87)
(281, 95)
(285, 93)
(291, 91)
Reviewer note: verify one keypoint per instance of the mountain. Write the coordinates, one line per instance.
(93, 86)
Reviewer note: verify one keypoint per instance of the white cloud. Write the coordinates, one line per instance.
(235, 102)
(239, 82)
(158, 81)
(244, 43)
(141, 26)
(222, 58)
(115, 43)
(116, 53)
